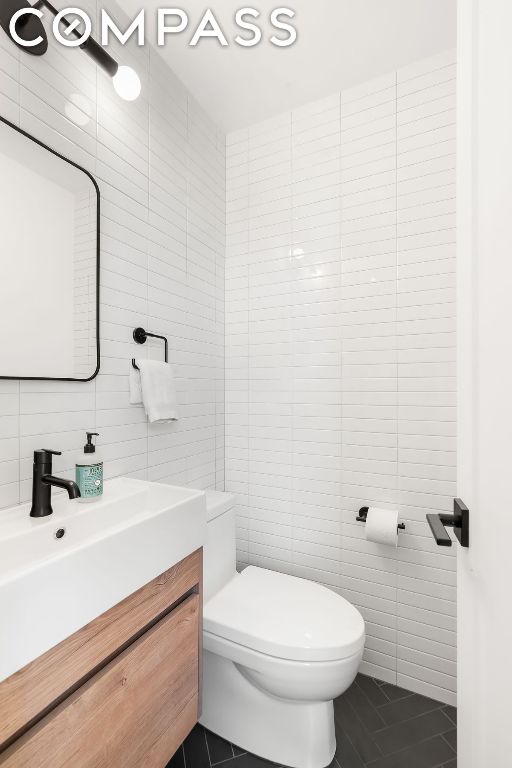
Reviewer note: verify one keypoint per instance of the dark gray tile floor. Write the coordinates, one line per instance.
(377, 726)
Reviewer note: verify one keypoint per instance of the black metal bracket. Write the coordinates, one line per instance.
(459, 521)
(141, 336)
(30, 25)
(34, 29)
(363, 514)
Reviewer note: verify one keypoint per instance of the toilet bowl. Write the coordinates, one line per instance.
(277, 651)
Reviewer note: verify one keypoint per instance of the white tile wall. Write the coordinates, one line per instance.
(160, 163)
(340, 324)
(340, 354)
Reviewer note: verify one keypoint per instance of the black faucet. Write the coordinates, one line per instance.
(42, 481)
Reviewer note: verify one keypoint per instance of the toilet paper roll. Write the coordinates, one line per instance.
(381, 526)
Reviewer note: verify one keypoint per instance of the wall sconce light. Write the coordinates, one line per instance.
(30, 28)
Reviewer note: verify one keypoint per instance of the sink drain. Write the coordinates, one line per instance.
(60, 533)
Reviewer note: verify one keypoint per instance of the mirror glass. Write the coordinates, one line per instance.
(50, 259)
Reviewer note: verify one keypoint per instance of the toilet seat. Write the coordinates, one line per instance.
(284, 617)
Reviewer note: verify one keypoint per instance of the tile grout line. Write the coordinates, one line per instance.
(347, 736)
(207, 747)
(439, 706)
(443, 736)
(408, 720)
(411, 746)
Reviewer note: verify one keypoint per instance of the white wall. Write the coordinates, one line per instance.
(340, 375)
(485, 413)
(340, 44)
(340, 336)
(160, 164)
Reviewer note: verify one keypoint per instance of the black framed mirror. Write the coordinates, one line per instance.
(50, 255)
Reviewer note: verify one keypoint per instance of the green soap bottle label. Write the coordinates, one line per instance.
(89, 479)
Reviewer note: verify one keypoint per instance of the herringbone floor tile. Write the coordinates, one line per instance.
(377, 726)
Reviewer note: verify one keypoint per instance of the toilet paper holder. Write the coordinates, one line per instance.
(363, 514)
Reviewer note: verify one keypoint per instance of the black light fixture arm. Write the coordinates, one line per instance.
(90, 46)
(34, 40)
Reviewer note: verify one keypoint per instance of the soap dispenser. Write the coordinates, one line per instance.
(89, 472)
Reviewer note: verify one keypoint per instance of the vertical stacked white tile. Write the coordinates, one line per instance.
(237, 331)
(123, 173)
(205, 256)
(315, 300)
(57, 414)
(369, 359)
(220, 318)
(84, 285)
(169, 446)
(340, 368)
(426, 605)
(220, 308)
(9, 80)
(9, 390)
(270, 350)
(161, 170)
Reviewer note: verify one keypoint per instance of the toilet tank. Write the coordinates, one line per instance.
(219, 554)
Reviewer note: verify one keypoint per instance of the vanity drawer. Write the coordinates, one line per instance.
(135, 712)
(40, 686)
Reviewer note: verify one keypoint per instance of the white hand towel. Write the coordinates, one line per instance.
(135, 387)
(153, 385)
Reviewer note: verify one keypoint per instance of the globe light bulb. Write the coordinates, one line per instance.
(127, 83)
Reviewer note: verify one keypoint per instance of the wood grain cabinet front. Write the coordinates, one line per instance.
(139, 706)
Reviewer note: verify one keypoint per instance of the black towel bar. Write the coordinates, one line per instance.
(141, 336)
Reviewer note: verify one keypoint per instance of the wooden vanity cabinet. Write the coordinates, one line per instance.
(123, 692)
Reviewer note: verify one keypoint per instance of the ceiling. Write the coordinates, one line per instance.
(341, 43)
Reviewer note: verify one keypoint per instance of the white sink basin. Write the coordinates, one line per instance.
(50, 588)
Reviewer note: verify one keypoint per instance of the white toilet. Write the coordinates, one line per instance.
(277, 651)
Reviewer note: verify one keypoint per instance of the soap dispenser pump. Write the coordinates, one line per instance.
(89, 471)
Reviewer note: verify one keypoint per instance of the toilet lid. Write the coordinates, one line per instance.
(284, 616)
